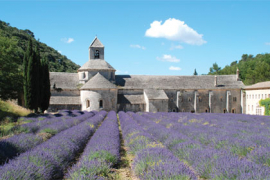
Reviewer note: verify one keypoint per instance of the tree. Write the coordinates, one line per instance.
(215, 69)
(28, 53)
(265, 103)
(195, 73)
(10, 69)
(31, 77)
(45, 86)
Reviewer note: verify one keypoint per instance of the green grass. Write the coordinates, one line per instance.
(9, 113)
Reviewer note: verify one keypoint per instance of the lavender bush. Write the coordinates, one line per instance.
(49, 159)
(101, 152)
(20, 143)
(225, 145)
(152, 160)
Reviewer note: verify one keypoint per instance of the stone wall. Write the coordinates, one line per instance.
(158, 105)
(108, 97)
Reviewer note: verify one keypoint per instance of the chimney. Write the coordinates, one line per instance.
(237, 75)
(215, 82)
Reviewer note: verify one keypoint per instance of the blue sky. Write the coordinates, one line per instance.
(148, 37)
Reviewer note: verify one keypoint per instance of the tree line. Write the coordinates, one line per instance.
(251, 69)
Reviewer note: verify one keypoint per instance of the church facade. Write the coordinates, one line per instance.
(96, 87)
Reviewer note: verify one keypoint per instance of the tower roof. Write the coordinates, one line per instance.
(98, 82)
(96, 43)
(96, 64)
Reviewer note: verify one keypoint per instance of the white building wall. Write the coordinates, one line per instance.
(252, 101)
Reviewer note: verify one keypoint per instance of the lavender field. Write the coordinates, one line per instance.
(105, 145)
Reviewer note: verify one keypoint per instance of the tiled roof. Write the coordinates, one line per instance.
(98, 82)
(65, 100)
(97, 64)
(260, 85)
(155, 94)
(96, 43)
(177, 82)
(64, 80)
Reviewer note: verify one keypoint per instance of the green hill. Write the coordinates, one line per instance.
(251, 69)
(57, 61)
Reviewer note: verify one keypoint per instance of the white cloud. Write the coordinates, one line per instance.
(267, 43)
(67, 40)
(175, 30)
(176, 47)
(168, 58)
(137, 46)
(60, 52)
(173, 68)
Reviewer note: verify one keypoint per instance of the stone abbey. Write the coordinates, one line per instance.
(96, 87)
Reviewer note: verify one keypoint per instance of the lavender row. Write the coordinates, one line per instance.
(20, 143)
(57, 127)
(210, 163)
(101, 152)
(243, 135)
(49, 159)
(34, 124)
(152, 160)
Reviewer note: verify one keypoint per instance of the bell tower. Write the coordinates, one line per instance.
(96, 50)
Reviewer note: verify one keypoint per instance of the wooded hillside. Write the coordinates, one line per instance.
(57, 62)
(252, 69)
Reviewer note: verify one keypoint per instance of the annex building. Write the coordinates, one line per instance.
(96, 87)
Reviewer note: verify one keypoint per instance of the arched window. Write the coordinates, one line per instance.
(87, 103)
(224, 110)
(100, 104)
(97, 54)
(233, 110)
(206, 110)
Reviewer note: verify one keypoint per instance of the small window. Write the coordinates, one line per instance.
(87, 103)
(189, 99)
(234, 99)
(233, 111)
(221, 99)
(255, 96)
(268, 95)
(173, 110)
(251, 107)
(100, 104)
(97, 54)
(200, 99)
(224, 110)
(206, 110)
(248, 108)
(252, 96)
(259, 96)
(262, 96)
